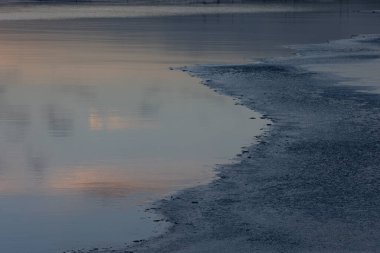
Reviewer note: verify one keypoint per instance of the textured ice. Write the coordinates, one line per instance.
(311, 184)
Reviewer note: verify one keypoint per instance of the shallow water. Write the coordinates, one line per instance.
(94, 125)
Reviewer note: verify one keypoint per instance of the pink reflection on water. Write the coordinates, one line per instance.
(113, 121)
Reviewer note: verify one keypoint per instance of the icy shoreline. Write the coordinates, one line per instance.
(310, 185)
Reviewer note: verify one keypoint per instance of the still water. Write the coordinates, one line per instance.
(94, 126)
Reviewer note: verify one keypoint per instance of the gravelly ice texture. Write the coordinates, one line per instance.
(312, 182)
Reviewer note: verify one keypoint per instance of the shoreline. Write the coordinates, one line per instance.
(311, 182)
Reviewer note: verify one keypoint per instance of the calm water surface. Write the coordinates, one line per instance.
(94, 125)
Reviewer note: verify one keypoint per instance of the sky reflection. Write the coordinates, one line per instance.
(92, 127)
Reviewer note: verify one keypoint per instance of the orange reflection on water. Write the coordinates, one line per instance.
(102, 181)
(98, 121)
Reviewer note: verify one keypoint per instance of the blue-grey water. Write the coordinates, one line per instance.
(94, 125)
